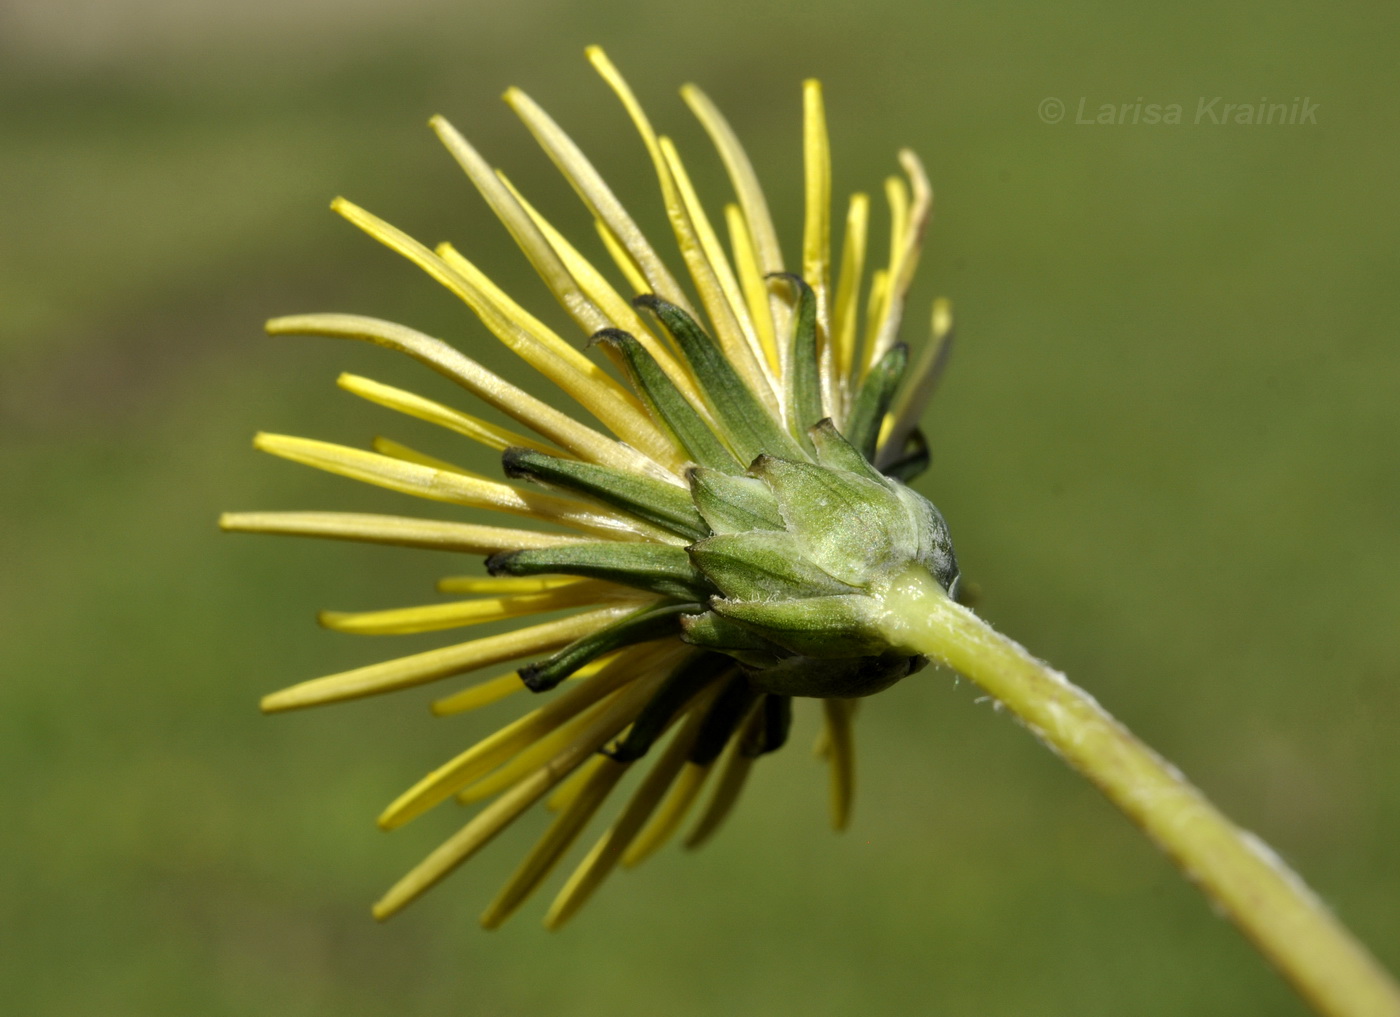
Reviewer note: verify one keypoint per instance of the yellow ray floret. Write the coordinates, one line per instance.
(663, 824)
(756, 290)
(816, 223)
(499, 586)
(504, 810)
(922, 377)
(522, 228)
(605, 855)
(529, 759)
(445, 485)
(557, 839)
(723, 297)
(432, 665)
(840, 752)
(643, 662)
(585, 381)
(559, 427)
(522, 333)
(498, 748)
(741, 175)
(435, 617)
(493, 690)
(620, 313)
(397, 450)
(490, 435)
(403, 531)
(909, 219)
(847, 303)
(566, 793)
(687, 222)
(599, 198)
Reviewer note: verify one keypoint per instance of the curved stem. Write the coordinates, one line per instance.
(1269, 904)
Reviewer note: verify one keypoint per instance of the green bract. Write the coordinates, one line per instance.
(787, 576)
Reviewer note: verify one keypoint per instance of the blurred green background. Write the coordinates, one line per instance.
(1167, 449)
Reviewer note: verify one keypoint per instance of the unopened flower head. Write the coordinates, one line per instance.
(721, 533)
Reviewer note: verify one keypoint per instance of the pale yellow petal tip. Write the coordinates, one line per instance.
(382, 912)
(299, 696)
(280, 701)
(558, 917)
(287, 324)
(912, 164)
(445, 707)
(942, 317)
(390, 819)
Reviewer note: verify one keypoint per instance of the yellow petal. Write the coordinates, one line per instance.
(816, 223)
(756, 291)
(500, 747)
(431, 665)
(556, 840)
(443, 485)
(841, 756)
(403, 531)
(844, 312)
(503, 585)
(687, 222)
(529, 759)
(435, 617)
(874, 315)
(396, 450)
(599, 198)
(920, 382)
(493, 690)
(582, 379)
(521, 332)
(522, 228)
(490, 435)
(758, 221)
(585, 442)
(674, 807)
(620, 313)
(495, 817)
(566, 793)
(605, 855)
(909, 220)
(646, 664)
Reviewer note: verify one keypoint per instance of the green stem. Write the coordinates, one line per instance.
(1269, 904)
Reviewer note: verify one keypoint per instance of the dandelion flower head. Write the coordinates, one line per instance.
(718, 531)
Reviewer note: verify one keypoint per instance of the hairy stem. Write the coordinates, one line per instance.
(1268, 902)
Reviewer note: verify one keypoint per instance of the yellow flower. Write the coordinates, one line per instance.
(716, 539)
